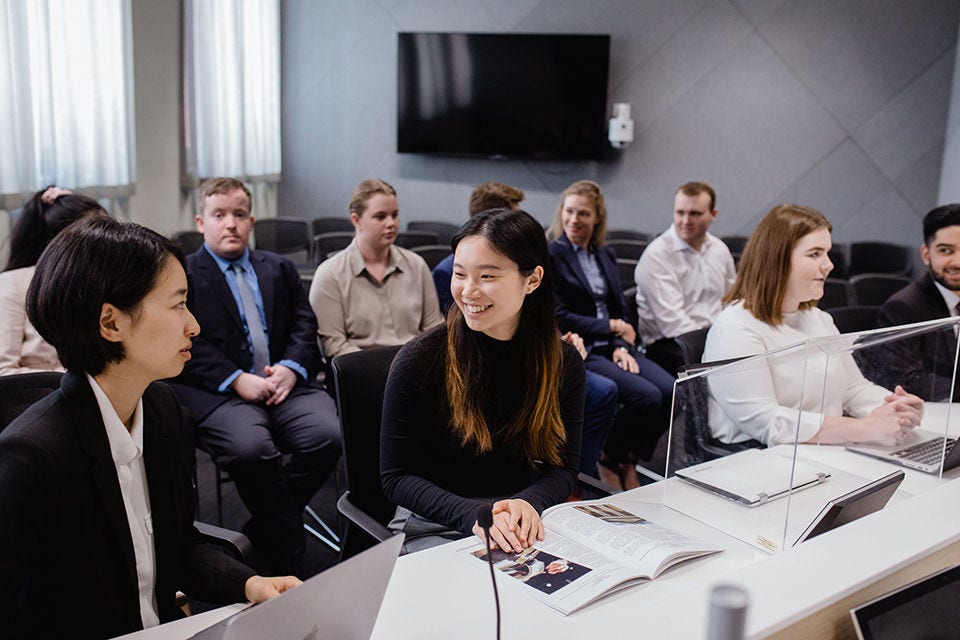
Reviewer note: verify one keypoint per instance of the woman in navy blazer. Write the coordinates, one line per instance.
(97, 529)
(590, 302)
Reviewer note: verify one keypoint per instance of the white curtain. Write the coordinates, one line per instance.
(232, 89)
(66, 107)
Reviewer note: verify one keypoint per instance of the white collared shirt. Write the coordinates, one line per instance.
(679, 288)
(126, 448)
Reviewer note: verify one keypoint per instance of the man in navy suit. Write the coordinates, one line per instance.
(924, 365)
(249, 383)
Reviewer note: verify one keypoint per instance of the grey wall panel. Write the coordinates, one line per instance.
(839, 105)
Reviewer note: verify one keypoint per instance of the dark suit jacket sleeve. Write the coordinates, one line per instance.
(201, 571)
(922, 364)
(576, 310)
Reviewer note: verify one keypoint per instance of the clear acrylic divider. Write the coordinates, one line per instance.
(761, 443)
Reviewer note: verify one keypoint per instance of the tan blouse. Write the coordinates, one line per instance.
(22, 350)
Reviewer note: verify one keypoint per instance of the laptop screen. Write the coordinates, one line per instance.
(921, 610)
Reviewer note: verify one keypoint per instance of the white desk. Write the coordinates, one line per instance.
(433, 594)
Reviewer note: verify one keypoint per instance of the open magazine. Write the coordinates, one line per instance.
(591, 549)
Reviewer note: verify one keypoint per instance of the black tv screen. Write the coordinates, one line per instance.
(525, 96)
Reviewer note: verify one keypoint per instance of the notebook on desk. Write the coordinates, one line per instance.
(752, 477)
(922, 450)
(342, 602)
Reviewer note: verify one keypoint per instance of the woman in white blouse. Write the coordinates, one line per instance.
(48, 212)
(773, 304)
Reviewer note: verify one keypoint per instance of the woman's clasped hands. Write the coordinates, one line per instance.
(516, 525)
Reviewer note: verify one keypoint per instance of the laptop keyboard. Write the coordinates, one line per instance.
(928, 452)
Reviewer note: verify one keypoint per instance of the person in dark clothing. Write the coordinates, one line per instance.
(490, 405)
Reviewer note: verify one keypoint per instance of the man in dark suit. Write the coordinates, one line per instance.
(924, 365)
(250, 382)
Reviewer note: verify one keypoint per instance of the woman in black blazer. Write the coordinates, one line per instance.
(97, 529)
(590, 302)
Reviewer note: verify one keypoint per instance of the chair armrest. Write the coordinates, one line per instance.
(358, 517)
(232, 542)
(594, 486)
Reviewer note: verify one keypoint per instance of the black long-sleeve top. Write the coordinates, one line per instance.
(424, 468)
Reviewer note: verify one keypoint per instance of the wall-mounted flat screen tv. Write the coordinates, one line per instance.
(524, 96)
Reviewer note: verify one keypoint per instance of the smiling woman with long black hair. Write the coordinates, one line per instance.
(488, 406)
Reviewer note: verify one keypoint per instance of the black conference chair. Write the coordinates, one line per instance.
(879, 257)
(360, 379)
(326, 244)
(835, 294)
(18, 392)
(853, 319)
(629, 249)
(627, 234)
(626, 267)
(432, 254)
(873, 289)
(444, 230)
(189, 241)
(692, 345)
(735, 243)
(838, 256)
(692, 442)
(287, 236)
(330, 223)
(410, 239)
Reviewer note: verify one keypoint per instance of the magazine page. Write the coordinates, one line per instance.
(590, 549)
(623, 536)
(557, 571)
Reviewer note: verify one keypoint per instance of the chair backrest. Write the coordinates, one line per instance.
(735, 243)
(836, 293)
(287, 236)
(360, 379)
(838, 256)
(629, 249)
(879, 257)
(692, 345)
(627, 234)
(871, 289)
(410, 239)
(444, 230)
(325, 244)
(19, 391)
(851, 319)
(432, 254)
(626, 267)
(189, 241)
(330, 223)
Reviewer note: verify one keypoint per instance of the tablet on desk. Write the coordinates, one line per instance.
(920, 610)
(752, 477)
(860, 502)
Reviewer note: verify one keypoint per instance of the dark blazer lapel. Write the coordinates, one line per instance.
(573, 264)
(159, 449)
(208, 269)
(265, 276)
(611, 274)
(95, 445)
(934, 299)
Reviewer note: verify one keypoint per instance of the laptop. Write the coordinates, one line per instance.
(920, 610)
(342, 602)
(922, 450)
